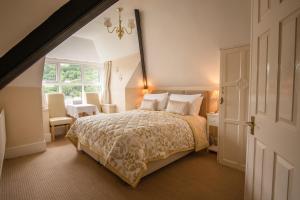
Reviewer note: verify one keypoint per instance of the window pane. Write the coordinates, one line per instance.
(91, 74)
(50, 89)
(70, 73)
(91, 88)
(49, 72)
(71, 92)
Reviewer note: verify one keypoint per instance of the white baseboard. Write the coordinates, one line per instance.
(24, 150)
(47, 137)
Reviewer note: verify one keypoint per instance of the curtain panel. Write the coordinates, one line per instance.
(105, 91)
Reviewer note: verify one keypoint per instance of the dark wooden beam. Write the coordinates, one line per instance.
(140, 38)
(57, 28)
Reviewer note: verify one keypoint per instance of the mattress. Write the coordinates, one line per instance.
(151, 166)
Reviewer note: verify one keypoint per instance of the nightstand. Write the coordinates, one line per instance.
(213, 123)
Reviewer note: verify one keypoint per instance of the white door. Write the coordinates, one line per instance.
(273, 152)
(234, 86)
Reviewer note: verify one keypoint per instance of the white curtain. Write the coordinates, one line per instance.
(105, 92)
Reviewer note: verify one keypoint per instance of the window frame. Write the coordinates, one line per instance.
(82, 82)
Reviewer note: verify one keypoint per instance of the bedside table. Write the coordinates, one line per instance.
(212, 121)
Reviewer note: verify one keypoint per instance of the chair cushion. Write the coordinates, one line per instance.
(60, 121)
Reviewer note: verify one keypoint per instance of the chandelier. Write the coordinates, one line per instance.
(119, 29)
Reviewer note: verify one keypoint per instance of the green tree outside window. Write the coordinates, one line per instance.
(50, 89)
(91, 75)
(49, 72)
(91, 88)
(70, 73)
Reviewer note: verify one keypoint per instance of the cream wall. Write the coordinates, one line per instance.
(22, 101)
(182, 39)
(23, 109)
(123, 69)
(19, 17)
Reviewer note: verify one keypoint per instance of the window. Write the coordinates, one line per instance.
(70, 73)
(71, 78)
(50, 72)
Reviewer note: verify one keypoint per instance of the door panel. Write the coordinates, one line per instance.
(231, 143)
(264, 7)
(283, 174)
(259, 160)
(287, 66)
(262, 72)
(232, 66)
(231, 94)
(273, 161)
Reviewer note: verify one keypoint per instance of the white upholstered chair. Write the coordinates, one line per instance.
(93, 98)
(57, 113)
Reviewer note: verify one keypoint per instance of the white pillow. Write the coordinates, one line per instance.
(194, 101)
(177, 107)
(161, 99)
(149, 105)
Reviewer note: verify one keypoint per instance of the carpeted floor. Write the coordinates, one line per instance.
(63, 173)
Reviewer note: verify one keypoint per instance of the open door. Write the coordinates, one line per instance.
(234, 84)
(273, 160)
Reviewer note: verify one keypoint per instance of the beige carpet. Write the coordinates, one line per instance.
(63, 173)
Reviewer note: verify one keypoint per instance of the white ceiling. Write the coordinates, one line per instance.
(76, 49)
(108, 45)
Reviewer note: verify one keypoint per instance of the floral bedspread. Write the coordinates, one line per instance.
(126, 142)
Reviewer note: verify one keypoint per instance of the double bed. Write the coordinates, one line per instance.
(135, 143)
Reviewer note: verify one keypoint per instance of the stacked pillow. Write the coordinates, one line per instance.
(177, 107)
(161, 99)
(148, 104)
(178, 103)
(194, 102)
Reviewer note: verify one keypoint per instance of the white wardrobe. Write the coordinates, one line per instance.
(234, 93)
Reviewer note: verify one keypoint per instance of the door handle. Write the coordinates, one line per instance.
(251, 124)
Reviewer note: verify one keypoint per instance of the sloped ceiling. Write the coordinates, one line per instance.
(76, 49)
(108, 46)
(19, 18)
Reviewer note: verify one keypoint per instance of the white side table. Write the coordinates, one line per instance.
(80, 110)
(212, 120)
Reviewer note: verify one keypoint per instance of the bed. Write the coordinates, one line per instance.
(135, 143)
